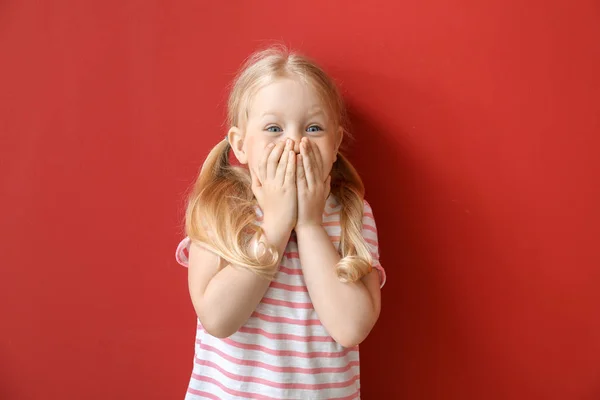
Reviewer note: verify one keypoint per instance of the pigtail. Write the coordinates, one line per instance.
(221, 215)
(221, 209)
(348, 188)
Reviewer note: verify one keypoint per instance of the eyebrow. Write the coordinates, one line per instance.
(315, 111)
(273, 113)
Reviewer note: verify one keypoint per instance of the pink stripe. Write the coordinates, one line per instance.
(331, 213)
(285, 336)
(285, 320)
(288, 304)
(288, 353)
(229, 390)
(337, 223)
(371, 241)
(335, 239)
(290, 288)
(266, 382)
(331, 223)
(285, 370)
(202, 393)
(369, 228)
(353, 396)
(280, 336)
(365, 214)
(290, 271)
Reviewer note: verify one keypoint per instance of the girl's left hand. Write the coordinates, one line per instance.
(312, 190)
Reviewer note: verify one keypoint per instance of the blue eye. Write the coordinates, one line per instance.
(314, 128)
(273, 128)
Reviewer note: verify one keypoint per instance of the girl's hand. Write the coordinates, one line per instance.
(312, 190)
(274, 185)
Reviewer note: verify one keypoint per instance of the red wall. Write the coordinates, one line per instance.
(478, 130)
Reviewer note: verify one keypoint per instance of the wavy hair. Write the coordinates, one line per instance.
(221, 210)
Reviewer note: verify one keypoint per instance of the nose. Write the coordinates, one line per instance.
(296, 147)
(296, 136)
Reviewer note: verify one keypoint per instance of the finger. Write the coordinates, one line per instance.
(307, 166)
(313, 160)
(300, 176)
(283, 162)
(255, 180)
(318, 160)
(274, 160)
(290, 171)
(262, 165)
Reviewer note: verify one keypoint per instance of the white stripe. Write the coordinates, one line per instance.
(284, 311)
(283, 294)
(288, 329)
(208, 387)
(263, 346)
(268, 390)
(286, 344)
(235, 366)
(274, 359)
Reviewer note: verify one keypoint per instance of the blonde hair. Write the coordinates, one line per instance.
(221, 211)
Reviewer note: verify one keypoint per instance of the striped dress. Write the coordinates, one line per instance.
(283, 351)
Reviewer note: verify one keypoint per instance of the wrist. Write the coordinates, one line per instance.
(307, 228)
(275, 232)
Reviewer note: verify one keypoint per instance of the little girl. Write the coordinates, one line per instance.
(284, 269)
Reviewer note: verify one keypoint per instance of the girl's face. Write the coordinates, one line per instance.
(286, 109)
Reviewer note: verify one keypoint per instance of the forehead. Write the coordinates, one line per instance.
(285, 96)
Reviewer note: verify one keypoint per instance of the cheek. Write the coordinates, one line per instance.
(254, 150)
(327, 155)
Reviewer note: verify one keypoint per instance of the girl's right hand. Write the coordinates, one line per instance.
(274, 184)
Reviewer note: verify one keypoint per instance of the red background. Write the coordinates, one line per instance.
(478, 138)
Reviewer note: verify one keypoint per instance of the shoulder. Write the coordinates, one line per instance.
(367, 209)
(333, 206)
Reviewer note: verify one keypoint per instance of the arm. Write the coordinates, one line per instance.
(347, 310)
(224, 296)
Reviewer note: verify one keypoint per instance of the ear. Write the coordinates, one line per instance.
(236, 140)
(338, 142)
